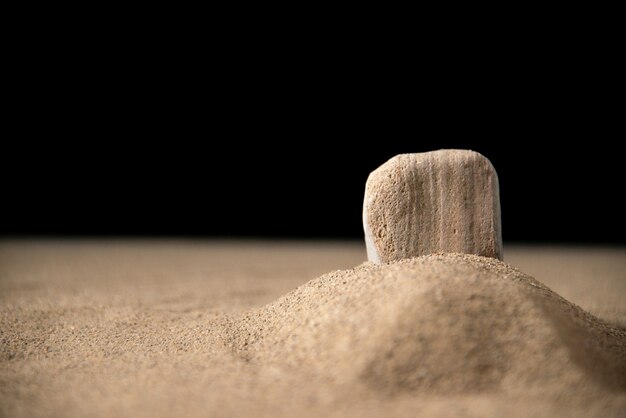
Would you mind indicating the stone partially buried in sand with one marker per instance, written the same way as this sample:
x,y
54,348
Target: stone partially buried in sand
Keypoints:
x,y
444,201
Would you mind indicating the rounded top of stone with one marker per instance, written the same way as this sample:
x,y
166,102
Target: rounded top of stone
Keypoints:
x,y
439,154
441,157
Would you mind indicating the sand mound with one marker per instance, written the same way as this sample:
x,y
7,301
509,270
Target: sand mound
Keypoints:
x,y
436,324
151,330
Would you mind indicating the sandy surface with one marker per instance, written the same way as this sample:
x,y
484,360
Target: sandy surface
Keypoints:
x,y
176,328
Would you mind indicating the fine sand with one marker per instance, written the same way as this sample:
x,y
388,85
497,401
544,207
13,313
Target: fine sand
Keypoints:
x,y
285,329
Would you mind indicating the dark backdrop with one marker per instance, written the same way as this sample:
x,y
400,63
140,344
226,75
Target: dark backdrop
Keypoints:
x,y
158,136
194,182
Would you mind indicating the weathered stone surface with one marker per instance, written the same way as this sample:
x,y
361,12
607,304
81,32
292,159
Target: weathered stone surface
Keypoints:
x,y
434,202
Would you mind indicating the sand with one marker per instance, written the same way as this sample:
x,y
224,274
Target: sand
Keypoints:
x,y
167,328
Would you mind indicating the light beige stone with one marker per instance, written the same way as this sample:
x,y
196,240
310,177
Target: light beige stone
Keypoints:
x,y
444,201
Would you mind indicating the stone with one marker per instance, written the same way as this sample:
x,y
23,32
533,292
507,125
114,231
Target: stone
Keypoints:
x,y
444,201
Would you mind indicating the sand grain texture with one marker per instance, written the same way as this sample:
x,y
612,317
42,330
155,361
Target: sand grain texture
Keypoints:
x,y
257,329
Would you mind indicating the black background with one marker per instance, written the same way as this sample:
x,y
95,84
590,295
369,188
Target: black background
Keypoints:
x,y
311,187
248,143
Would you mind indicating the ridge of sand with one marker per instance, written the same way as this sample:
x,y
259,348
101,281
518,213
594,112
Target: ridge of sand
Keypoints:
x,y
444,324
